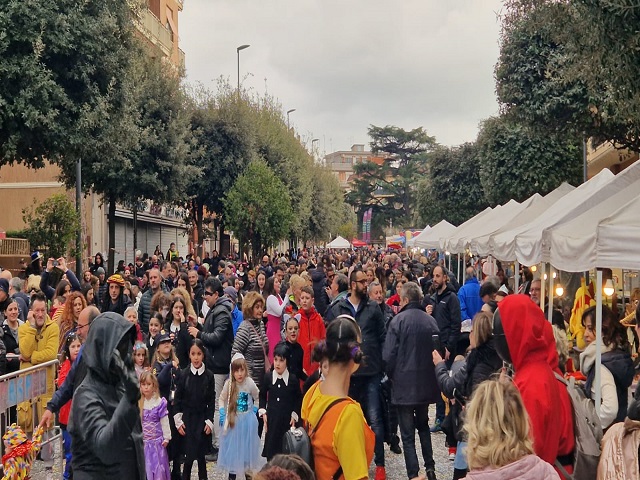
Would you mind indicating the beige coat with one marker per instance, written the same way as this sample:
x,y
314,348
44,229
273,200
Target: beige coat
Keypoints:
x,y
619,458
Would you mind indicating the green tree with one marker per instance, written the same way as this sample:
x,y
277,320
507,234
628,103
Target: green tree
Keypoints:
x,y
451,189
52,226
154,166
517,161
258,207
327,205
389,188
63,66
222,126
572,67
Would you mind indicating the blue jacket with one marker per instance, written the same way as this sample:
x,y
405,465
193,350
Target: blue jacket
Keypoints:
x,y
236,319
470,301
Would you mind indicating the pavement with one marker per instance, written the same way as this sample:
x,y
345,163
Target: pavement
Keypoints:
x,y
394,462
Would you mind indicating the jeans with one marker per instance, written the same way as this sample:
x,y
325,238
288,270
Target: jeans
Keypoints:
x,y
366,391
410,418
66,443
219,379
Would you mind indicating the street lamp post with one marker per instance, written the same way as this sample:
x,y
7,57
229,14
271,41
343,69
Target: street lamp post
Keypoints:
x,y
313,152
288,112
241,47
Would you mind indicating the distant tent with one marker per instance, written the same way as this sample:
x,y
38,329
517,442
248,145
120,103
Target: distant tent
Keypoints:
x,y
358,243
339,242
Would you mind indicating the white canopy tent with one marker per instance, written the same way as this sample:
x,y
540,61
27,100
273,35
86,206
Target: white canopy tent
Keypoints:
x,y
484,245
339,242
412,241
504,244
617,238
460,229
458,242
431,238
573,245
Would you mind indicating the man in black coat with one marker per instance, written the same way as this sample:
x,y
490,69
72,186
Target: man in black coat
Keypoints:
x,y
365,383
105,423
409,365
217,336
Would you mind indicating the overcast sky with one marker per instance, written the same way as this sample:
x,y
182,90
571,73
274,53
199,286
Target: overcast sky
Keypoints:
x,y
346,64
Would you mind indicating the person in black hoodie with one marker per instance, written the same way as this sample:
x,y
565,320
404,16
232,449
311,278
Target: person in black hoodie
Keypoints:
x,y
105,424
445,308
481,364
114,299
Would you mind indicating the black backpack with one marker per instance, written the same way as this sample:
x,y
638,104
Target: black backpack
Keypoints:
x,y
298,440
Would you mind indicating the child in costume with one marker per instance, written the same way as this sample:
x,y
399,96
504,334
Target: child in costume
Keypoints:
x,y
239,440
20,452
155,428
71,347
155,327
194,406
296,353
140,358
280,402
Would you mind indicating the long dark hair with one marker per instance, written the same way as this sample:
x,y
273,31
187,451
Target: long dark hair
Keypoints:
x,y
119,306
270,287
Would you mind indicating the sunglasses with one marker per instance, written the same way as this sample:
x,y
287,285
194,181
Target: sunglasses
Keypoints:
x,y
208,294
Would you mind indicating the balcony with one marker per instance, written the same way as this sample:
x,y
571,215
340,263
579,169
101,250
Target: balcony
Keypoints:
x,y
182,60
602,155
150,26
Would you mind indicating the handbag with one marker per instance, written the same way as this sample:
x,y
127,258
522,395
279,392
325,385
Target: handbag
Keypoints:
x,y
298,440
267,363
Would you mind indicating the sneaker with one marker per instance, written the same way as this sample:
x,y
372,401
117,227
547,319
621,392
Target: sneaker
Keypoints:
x,y
381,473
437,427
212,457
452,453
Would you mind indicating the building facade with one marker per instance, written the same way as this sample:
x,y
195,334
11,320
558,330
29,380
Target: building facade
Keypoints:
x,y
21,187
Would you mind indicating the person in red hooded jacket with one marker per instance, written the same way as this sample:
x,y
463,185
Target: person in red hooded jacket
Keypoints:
x,y
312,329
524,339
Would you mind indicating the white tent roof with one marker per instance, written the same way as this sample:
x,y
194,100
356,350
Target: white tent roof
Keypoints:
x,y
486,245
431,238
529,246
458,242
617,238
572,245
505,244
412,241
339,242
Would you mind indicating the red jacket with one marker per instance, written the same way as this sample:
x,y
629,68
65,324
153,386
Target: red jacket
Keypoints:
x,y
533,353
312,330
66,408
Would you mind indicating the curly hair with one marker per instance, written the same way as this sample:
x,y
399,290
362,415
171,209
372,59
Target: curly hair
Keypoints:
x,y
497,426
249,301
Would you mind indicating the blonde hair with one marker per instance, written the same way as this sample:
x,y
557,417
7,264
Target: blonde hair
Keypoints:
x,y
187,300
249,301
296,281
149,377
232,407
482,329
497,426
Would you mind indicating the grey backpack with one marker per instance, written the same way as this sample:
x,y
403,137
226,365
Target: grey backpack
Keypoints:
x,y
587,431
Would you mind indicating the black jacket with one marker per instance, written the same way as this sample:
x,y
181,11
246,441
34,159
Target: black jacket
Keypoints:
x,y
320,300
371,322
446,311
217,336
407,353
619,363
105,426
11,345
481,363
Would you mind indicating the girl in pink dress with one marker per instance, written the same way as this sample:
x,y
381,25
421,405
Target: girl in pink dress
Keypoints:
x,y
275,306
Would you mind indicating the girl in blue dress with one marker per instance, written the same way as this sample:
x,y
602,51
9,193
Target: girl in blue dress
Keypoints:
x,y
239,441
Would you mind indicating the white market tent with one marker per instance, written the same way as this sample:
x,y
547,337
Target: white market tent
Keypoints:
x,y
463,227
501,214
529,246
431,238
573,245
504,244
485,245
339,242
412,241
617,238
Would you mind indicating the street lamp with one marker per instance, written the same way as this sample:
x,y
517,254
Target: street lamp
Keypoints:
x,y
288,112
241,47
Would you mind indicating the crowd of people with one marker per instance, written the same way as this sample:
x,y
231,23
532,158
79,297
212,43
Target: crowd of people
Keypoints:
x,y
194,360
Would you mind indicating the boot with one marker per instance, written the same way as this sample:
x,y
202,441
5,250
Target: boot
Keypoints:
x,y
459,473
394,444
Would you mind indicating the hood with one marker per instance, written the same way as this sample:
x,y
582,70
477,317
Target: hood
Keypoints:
x,y
529,335
224,302
448,290
106,332
528,467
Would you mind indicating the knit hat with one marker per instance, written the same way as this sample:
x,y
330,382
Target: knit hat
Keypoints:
x,y
232,293
117,279
14,436
4,285
100,271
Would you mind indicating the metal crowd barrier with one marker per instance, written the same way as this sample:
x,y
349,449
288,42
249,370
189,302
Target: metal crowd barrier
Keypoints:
x,y
26,387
